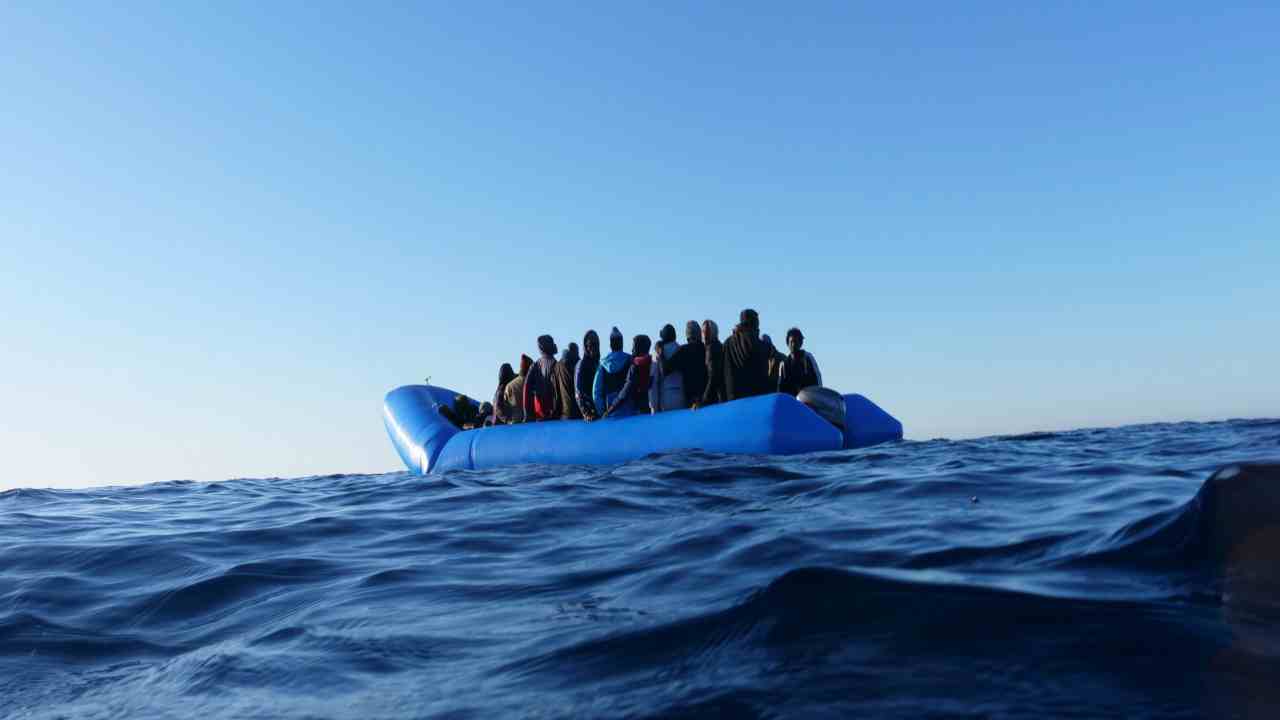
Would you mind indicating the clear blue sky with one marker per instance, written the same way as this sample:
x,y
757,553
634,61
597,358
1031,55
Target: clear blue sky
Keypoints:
x,y
228,229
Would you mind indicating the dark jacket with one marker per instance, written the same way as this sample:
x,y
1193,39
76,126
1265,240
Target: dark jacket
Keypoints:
x,y
746,365
796,374
583,386
690,360
539,391
562,378
714,363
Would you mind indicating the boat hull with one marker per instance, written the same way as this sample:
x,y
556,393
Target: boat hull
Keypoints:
x,y
774,424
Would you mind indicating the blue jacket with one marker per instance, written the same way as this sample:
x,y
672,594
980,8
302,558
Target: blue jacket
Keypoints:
x,y
616,362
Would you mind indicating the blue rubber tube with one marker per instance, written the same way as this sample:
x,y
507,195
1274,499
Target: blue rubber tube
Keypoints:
x,y
770,424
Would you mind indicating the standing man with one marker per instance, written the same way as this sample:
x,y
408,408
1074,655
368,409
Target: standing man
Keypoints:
x,y
563,378
539,388
690,360
611,376
714,393
584,376
746,359
633,396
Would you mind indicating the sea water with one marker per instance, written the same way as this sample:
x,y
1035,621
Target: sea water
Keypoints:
x,y
1076,574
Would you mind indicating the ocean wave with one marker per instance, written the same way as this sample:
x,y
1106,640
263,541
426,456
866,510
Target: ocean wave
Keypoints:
x,y
1081,573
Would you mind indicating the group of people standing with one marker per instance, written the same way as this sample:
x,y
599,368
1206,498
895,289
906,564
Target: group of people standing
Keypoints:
x,y
703,371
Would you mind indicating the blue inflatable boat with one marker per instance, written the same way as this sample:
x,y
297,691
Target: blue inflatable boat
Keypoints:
x,y
775,424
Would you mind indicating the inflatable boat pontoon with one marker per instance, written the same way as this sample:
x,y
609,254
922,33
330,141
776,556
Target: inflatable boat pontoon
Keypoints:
x,y
775,424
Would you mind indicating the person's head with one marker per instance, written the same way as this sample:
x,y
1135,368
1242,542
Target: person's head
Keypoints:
x,y
691,332
591,344
570,354
710,331
615,340
749,319
667,334
546,345
505,374
795,340
573,349
640,345
526,362
768,342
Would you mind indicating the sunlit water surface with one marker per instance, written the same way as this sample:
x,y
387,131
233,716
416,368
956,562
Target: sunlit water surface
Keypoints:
x,y
1085,573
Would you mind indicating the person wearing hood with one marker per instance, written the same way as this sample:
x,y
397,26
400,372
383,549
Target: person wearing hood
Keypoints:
x,y
584,376
611,375
633,396
563,379
666,391
714,392
746,360
539,388
690,361
513,393
501,409
799,370
776,359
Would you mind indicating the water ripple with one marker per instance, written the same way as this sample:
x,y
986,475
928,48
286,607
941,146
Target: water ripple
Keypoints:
x,y
1082,573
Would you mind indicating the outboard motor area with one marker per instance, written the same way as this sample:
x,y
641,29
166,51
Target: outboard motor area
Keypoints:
x,y
828,403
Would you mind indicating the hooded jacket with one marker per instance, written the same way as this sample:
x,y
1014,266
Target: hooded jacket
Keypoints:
x,y
746,364
501,410
666,391
584,385
562,378
610,377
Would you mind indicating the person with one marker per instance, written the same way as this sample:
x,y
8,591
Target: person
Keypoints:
x,y
502,410
690,361
486,414
611,375
799,370
666,391
775,360
633,396
513,394
746,360
714,362
585,376
463,414
539,388
563,379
